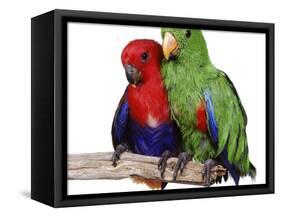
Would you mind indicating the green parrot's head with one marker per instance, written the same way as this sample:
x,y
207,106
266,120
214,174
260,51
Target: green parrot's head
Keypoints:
x,y
185,45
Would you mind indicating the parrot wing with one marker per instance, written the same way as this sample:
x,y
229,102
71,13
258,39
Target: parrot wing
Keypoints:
x,y
226,120
119,129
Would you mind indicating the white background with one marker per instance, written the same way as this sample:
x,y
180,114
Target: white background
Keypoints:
x,y
15,106
96,81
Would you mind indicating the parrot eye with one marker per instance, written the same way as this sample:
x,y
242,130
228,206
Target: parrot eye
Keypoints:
x,y
187,33
144,56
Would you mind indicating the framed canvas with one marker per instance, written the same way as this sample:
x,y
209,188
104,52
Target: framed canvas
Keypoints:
x,y
134,108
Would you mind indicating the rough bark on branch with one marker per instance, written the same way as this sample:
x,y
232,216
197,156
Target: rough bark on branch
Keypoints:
x,y
99,166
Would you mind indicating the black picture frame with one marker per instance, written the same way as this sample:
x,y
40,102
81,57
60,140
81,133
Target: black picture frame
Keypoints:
x,y
49,107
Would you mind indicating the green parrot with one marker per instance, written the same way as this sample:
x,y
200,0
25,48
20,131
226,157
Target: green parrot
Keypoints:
x,y
205,105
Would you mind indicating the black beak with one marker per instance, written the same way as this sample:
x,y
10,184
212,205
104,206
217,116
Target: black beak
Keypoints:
x,y
132,74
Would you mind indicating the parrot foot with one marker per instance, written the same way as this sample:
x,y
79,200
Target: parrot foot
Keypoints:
x,y
163,162
219,178
117,153
183,159
208,165
225,177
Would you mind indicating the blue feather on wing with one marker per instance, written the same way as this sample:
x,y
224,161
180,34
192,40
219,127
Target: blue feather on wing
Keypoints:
x,y
120,122
212,124
213,131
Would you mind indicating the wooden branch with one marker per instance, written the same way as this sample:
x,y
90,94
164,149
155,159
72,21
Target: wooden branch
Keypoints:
x,y
99,166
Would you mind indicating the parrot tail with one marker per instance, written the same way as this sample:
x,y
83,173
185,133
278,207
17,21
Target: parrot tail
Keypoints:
x,y
253,171
156,185
234,174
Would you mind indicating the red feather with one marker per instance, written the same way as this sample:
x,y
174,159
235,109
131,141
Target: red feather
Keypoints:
x,y
201,117
148,100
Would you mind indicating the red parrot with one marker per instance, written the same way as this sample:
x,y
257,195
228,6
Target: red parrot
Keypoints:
x,y
142,122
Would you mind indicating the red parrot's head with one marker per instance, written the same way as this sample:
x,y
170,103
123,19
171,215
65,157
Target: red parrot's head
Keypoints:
x,y
141,59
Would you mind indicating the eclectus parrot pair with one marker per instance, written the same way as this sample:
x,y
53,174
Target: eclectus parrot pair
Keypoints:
x,y
142,121
200,115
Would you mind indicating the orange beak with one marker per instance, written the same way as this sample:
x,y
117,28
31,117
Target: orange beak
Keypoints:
x,y
169,45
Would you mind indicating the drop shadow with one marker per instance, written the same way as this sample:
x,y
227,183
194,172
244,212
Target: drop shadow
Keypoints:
x,y
25,194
